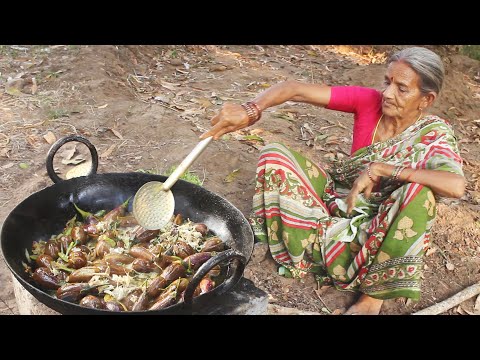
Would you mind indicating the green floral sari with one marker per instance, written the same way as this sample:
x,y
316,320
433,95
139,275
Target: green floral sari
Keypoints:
x,y
299,210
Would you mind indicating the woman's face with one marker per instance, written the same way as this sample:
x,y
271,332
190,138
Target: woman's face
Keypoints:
x,y
401,92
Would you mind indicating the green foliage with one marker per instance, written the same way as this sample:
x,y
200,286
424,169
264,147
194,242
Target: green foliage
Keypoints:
x,y
472,51
187,176
57,113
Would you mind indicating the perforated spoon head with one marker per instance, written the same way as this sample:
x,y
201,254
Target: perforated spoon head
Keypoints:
x,y
153,207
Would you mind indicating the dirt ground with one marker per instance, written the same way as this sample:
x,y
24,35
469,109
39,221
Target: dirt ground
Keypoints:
x,y
144,107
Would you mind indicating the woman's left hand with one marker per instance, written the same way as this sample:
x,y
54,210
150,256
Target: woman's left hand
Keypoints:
x,y
362,184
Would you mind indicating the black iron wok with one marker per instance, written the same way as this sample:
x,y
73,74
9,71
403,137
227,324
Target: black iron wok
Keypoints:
x,y
46,212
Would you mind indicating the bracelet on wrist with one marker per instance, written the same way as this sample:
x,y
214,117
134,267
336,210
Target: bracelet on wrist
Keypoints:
x,y
397,171
253,111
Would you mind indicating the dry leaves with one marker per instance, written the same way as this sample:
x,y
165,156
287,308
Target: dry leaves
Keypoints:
x,y
33,140
68,152
6,140
169,86
230,177
5,152
108,152
449,266
79,170
8,166
50,137
203,102
116,133
476,307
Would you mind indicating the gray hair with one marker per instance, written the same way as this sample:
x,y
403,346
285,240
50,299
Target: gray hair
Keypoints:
x,y
426,64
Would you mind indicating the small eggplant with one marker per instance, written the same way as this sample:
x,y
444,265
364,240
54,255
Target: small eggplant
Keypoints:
x,y
178,286
83,274
173,272
164,302
178,220
141,303
156,286
201,228
52,249
78,234
117,269
206,285
171,294
144,266
130,300
215,271
44,261
92,302
116,213
144,235
163,261
77,258
84,248
196,260
91,230
45,278
64,242
142,253
127,221
91,220
118,258
62,276
102,248
113,306
101,265
108,239
182,249
74,292
213,244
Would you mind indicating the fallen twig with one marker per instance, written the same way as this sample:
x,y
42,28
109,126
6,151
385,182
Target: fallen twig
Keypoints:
x,y
456,299
323,302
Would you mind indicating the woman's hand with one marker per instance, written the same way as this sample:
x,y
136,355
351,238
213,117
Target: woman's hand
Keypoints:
x,y
363,184
231,117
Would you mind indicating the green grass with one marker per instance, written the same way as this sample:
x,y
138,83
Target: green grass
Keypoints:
x,y
6,50
472,51
189,176
57,113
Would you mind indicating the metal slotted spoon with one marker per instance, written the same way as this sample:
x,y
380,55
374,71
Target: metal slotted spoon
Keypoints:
x,y
153,204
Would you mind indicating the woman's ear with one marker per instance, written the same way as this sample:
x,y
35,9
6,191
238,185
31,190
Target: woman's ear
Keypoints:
x,y
428,99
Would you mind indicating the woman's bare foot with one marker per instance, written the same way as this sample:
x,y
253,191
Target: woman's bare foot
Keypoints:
x,y
365,305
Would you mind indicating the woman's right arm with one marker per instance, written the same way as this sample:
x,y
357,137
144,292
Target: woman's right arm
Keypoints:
x,y
233,117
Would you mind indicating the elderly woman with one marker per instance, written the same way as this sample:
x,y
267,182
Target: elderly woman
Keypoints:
x,y
365,224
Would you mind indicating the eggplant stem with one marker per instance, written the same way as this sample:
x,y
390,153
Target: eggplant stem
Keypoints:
x,y
70,247
63,256
125,203
100,213
84,213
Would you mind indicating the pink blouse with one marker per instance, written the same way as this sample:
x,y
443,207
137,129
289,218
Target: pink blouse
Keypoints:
x,y
366,104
